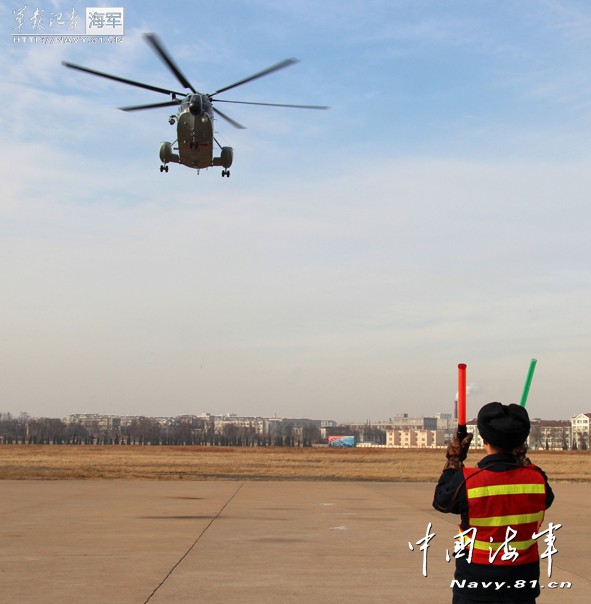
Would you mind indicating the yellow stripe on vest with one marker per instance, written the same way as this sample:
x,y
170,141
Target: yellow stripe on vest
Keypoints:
x,y
508,520
506,489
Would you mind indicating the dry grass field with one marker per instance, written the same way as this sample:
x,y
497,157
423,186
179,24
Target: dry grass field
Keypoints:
x,y
47,462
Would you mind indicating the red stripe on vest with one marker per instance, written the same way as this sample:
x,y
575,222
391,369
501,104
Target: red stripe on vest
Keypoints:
x,y
502,505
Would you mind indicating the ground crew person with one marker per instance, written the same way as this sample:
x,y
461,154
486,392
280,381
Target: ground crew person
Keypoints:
x,y
501,504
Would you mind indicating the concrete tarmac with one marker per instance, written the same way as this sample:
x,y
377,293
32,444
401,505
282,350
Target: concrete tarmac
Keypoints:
x,y
134,542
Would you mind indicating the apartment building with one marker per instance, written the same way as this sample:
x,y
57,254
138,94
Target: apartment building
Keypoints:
x,y
415,438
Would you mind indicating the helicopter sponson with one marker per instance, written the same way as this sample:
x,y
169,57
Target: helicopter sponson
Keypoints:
x,y
168,155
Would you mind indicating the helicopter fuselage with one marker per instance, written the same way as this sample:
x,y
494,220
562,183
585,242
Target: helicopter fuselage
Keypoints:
x,y
195,132
194,124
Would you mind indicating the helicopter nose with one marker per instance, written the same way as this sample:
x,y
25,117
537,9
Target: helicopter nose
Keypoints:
x,y
195,107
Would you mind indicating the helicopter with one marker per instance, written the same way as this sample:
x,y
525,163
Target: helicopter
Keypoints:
x,y
195,115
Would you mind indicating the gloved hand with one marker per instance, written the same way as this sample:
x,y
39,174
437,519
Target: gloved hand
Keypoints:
x,y
457,451
520,455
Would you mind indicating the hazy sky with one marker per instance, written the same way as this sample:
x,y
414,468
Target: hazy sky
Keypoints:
x,y
438,213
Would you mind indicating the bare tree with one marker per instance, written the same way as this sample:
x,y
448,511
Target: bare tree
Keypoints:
x,y
535,437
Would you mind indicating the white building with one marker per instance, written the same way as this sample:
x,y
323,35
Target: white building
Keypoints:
x,y
580,425
476,439
551,434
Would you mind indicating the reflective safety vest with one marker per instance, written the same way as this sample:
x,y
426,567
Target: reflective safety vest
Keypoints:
x,y
505,509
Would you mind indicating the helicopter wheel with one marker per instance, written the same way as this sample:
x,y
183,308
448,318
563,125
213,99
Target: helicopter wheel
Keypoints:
x,y
163,168
226,173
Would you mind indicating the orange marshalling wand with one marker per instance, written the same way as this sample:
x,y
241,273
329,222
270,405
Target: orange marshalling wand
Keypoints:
x,y
462,400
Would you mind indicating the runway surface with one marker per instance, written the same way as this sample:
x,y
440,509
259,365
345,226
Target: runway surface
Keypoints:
x,y
167,542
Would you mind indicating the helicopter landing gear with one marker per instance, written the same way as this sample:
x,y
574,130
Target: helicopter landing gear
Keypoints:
x,y
226,173
172,120
163,168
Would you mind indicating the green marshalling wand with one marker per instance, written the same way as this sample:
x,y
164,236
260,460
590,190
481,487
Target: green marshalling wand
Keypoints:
x,y
530,375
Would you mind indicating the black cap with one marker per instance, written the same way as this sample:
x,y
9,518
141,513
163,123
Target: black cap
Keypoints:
x,y
503,426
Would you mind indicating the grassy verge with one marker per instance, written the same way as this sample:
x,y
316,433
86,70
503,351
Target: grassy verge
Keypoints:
x,y
47,462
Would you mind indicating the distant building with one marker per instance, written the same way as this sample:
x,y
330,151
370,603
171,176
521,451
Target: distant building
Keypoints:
x,y
326,426
95,421
221,422
550,434
580,425
476,439
402,421
328,423
415,438
445,421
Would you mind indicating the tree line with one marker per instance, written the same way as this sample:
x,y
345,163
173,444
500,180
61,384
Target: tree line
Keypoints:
x,y
149,431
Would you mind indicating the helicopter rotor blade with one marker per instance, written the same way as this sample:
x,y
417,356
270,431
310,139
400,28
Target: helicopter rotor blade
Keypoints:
x,y
150,106
260,74
229,119
165,56
123,80
274,104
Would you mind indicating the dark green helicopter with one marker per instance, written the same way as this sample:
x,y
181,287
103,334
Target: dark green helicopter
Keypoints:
x,y
195,116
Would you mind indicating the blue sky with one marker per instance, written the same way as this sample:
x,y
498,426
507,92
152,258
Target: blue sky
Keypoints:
x,y
437,214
